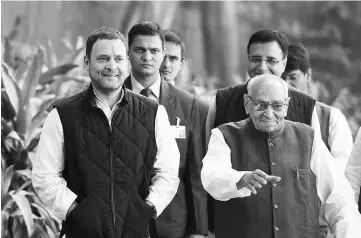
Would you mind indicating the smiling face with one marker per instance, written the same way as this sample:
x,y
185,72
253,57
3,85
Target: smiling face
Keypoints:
x,y
107,65
172,62
272,52
267,91
146,55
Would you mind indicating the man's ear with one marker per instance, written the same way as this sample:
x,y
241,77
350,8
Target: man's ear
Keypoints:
x,y
86,62
287,104
245,102
309,74
164,51
284,62
182,61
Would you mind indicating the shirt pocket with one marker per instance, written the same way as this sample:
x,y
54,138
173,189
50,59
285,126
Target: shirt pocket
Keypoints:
x,y
301,178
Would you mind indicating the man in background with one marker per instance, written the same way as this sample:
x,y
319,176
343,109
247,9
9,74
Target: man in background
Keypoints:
x,y
174,56
186,215
335,131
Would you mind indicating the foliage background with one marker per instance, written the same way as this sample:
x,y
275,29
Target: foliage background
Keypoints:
x,y
46,37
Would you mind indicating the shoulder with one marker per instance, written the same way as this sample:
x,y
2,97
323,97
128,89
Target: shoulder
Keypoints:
x,y
181,93
299,127
295,92
71,101
324,106
239,88
239,125
140,98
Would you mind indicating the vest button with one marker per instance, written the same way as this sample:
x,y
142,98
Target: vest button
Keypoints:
x,y
273,163
276,206
276,228
271,144
274,184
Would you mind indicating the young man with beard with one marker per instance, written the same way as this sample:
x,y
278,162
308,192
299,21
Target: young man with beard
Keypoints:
x,y
186,215
106,163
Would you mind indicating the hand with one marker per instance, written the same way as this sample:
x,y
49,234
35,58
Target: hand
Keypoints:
x,y
195,236
256,179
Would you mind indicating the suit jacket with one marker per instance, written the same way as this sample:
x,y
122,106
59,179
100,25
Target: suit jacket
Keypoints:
x,y
187,213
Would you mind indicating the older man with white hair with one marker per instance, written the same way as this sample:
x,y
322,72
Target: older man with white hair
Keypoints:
x,y
272,177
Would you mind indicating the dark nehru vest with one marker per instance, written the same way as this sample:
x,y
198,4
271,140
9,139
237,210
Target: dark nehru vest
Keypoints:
x,y
289,208
109,168
324,114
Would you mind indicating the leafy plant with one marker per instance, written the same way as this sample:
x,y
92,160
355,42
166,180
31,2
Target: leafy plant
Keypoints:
x,y
29,88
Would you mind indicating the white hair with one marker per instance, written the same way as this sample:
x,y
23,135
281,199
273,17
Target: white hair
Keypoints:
x,y
266,78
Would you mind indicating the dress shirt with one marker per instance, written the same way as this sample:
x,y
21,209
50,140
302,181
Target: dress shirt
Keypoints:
x,y
353,168
340,137
336,196
211,116
155,87
48,163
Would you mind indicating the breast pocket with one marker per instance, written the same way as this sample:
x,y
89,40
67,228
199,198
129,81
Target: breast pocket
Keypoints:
x,y
301,178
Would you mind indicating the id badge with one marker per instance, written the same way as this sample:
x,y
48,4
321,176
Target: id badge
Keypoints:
x,y
179,131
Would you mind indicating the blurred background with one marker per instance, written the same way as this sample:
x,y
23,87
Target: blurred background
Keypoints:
x,y
42,62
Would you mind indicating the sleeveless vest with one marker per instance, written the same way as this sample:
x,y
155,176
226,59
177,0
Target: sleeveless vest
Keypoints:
x,y
289,208
324,113
109,168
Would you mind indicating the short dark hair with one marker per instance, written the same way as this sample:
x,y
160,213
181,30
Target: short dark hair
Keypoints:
x,y
146,28
103,33
173,37
269,35
298,58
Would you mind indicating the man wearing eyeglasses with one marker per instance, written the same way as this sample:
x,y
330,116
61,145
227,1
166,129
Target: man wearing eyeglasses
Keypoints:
x,y
272,177
267,54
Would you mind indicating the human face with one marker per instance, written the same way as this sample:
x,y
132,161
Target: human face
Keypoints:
x,y
297,79
270,51
267,120
146,55
107,65
172,61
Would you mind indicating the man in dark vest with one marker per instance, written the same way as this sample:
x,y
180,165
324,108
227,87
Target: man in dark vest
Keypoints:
x,y
335,131
272,177
106,161
186,215
267,53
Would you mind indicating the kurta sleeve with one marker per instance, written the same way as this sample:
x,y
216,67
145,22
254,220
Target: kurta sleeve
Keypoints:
x,y
218,177
337,202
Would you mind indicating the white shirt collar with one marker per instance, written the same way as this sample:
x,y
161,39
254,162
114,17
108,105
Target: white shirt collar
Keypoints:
x,y
155,87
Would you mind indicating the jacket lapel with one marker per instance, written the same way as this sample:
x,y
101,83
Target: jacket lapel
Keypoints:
x,y
166,97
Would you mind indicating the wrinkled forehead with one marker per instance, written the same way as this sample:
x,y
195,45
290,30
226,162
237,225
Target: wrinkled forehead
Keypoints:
x,y
269,91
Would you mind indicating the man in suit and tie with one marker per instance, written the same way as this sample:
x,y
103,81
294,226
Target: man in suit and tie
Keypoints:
x,y
186,215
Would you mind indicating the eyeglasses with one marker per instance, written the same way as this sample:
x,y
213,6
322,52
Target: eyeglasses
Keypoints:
x,y
276,106
269,61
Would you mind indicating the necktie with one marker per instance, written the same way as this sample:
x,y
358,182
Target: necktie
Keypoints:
x,y
146,92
